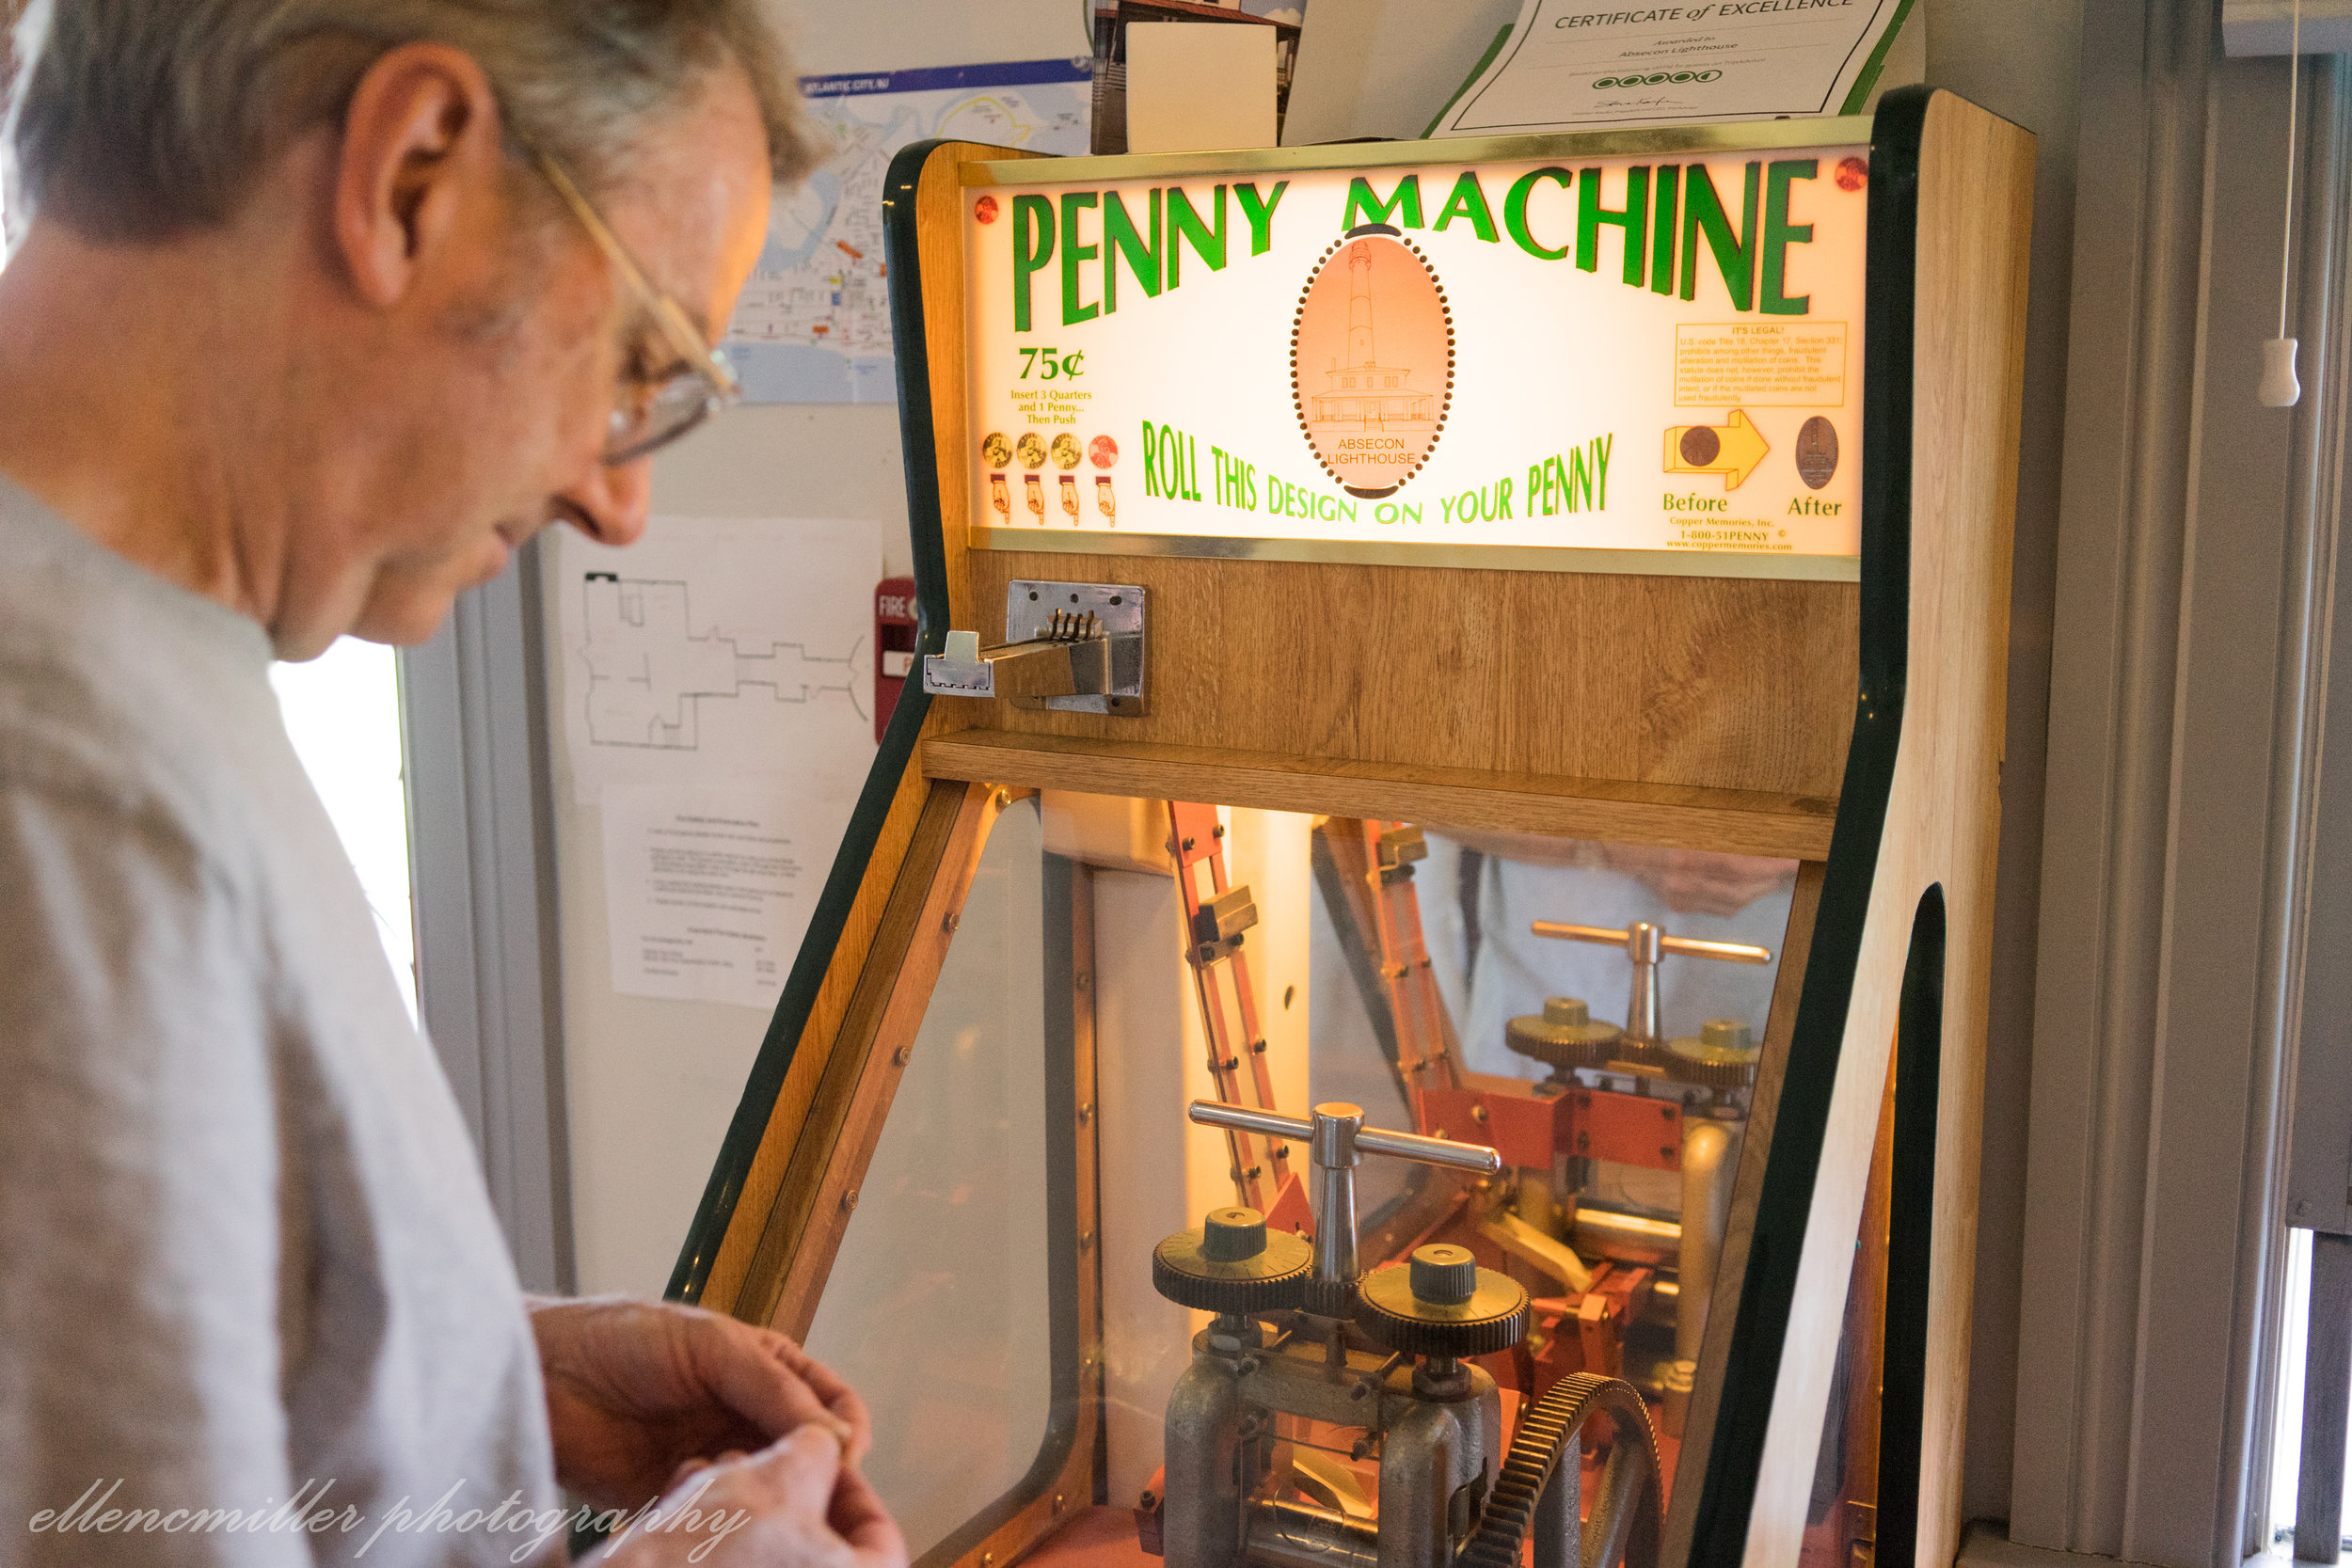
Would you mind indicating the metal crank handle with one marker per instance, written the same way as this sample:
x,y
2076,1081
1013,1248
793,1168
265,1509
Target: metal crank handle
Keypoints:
x,y
1370,1140
1735,952
1337,1141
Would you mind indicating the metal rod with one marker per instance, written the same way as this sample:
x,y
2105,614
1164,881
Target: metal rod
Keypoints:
x,y
1431,1151
1735,952
1240,1117
1300,1535
1370,1140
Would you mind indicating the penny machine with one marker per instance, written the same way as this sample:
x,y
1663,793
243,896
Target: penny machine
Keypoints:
x,y
1408,988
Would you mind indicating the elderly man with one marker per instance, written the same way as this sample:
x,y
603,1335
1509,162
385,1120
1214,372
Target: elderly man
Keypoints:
x,y
319,309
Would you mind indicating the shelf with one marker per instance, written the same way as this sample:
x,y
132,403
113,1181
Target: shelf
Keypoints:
x,y
1743,822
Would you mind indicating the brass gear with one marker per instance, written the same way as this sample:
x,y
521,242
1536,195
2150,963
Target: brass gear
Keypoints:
x,y
1232,1263
1721,1055
1442,1303
1545,1440
1565,1036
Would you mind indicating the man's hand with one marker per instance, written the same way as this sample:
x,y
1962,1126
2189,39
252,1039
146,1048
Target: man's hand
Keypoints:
x,y
636,1389
794,1505
1698,881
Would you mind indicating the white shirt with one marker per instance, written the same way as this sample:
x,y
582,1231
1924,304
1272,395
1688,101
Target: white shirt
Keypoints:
x,y
247,1260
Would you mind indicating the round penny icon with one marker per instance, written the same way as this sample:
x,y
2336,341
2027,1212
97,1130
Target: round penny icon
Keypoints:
x,y
1700,445
1816,451
1103,452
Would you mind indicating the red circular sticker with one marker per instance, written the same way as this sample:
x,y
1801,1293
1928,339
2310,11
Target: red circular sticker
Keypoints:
x,y
985,208
1103,452
1853,174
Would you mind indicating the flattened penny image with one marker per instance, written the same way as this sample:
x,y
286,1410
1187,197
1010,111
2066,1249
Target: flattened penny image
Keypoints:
x,y
1700,445
1816,451
1031,449
1372,361
994,450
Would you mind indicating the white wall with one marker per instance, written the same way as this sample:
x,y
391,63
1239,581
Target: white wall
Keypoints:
x,y
651,1084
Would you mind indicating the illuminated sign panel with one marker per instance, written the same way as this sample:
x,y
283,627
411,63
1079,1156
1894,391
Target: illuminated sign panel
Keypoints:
x,y
1656,355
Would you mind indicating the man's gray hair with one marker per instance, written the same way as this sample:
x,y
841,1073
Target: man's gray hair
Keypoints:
x,y
142,118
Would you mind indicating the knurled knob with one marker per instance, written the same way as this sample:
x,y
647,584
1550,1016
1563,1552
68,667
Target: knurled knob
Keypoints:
x,y
1444,1274
1563,1036
1721,1055
1232,1263
1442,1303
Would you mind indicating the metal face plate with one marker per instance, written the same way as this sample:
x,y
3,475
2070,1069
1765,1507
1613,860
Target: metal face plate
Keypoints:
x,y
1118,608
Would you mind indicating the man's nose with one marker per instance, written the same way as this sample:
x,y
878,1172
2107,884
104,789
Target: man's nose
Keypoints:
x,y
612,501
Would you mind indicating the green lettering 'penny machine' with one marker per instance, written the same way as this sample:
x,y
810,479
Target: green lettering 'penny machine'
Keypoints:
x,y
1408,986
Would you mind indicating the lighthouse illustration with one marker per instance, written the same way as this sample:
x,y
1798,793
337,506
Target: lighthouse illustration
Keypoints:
x,y
1363,393
1372,323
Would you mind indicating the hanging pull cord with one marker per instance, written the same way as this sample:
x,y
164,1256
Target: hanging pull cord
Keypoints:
x,y
2280,389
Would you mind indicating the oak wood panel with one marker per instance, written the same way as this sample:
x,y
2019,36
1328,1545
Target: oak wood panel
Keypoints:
x,y
1742,822
1722,682
1942,815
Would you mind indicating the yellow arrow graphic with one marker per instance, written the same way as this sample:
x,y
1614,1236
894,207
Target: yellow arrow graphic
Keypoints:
x,y
1732,449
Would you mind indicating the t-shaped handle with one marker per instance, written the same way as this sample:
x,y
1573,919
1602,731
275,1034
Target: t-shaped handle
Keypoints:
x,y
1645,945
1337,1140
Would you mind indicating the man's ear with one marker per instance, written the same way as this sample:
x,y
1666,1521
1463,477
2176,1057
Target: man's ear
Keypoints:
x,y
421,143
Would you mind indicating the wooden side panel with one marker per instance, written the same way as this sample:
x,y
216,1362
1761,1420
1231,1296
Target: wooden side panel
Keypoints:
x,y
1729,684
1943,817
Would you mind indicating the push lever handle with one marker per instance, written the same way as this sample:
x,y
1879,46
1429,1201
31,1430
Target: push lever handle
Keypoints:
x,y
1337,1140
1645,945
1075,647
1073,656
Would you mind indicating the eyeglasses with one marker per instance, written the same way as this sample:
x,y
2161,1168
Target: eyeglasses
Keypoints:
x,y
651,412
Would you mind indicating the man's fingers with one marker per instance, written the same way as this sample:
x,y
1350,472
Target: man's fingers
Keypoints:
x,y
801,1470
850,1411
828,1387
859,1519
735,1365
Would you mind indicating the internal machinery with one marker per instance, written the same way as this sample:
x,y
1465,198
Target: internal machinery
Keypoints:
x,y
1493,1361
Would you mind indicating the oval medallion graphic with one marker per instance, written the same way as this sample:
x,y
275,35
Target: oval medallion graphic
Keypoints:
x,y
1816,451
1372,361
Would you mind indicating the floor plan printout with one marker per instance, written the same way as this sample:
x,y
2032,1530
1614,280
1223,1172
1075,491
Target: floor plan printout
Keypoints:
x,y
813,325
716,686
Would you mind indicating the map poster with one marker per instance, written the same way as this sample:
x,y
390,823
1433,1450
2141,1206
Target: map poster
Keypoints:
x,y
813,325
1619,360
